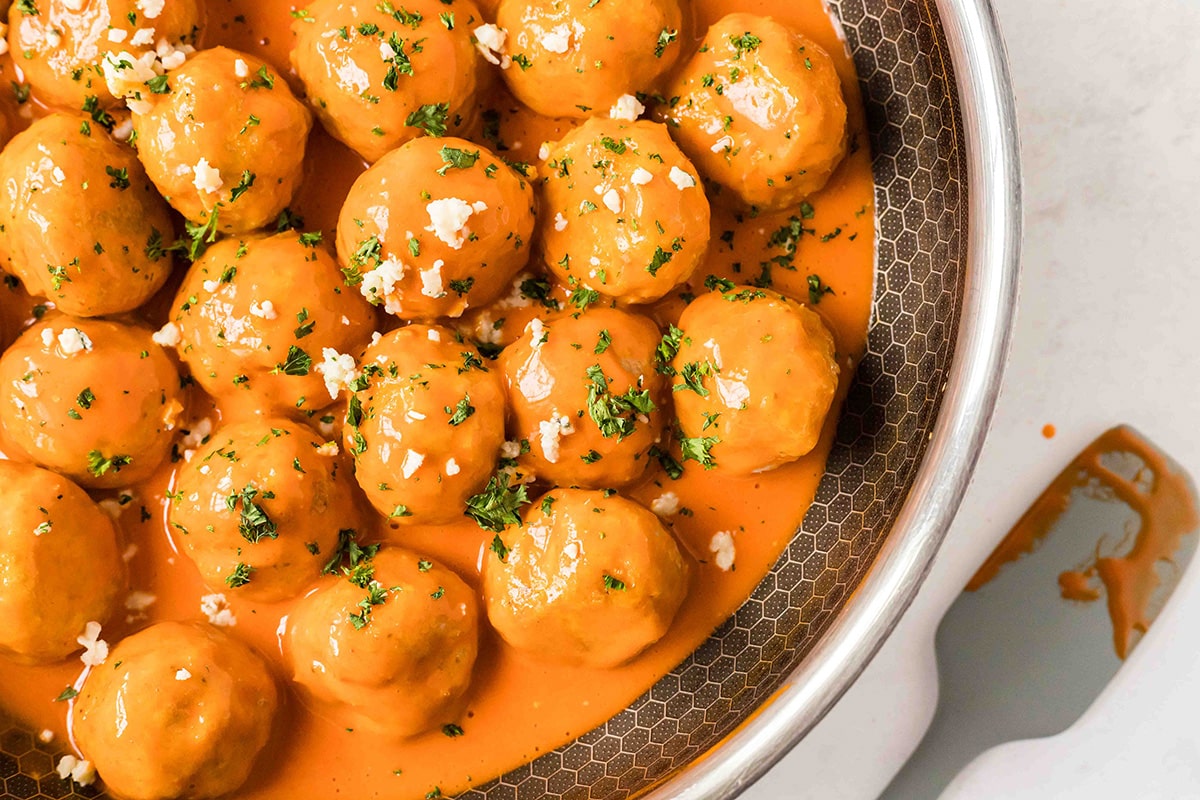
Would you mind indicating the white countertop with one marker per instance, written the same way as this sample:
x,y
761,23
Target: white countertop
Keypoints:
x,y
1107,331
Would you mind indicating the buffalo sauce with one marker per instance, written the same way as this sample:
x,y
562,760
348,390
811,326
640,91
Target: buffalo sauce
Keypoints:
x,y
1159,494
519,707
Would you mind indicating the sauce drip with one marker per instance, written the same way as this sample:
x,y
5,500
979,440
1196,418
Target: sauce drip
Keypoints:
x,y
1161,496
519,708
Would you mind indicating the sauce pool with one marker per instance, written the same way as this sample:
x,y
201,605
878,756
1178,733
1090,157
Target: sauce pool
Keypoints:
x,y
519,707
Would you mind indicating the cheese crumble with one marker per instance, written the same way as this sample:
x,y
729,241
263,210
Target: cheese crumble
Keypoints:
x,y
95,649
166,336
208,177
79,770
681,179
73,340
665,505
216,608
627,108
489,41
448,219
723,549
338,370
549,433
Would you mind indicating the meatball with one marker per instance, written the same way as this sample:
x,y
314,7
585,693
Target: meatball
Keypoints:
x,y
425,426
92,399
79,221
624,213
388,648
761,112
755,376
435,227
227,140
575,58
253,315
587,579
178,711
379,77
584,392
63,43
60,565
260,508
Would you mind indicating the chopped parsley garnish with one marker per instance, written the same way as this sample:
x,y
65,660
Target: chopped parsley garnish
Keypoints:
x,y
120,177
603,342
99,464
665,37
69,693
261,80
158,85
817,289
455,158
498,505
615,415
239,577
461,287
452,730
297,362
699,449
693,374
745,43
499,548
667,348
349,553
461,411
253,522
85,398
612,584
430,118
243,185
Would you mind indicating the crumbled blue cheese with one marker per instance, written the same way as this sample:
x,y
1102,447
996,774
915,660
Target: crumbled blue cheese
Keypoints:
x,y
627,108
182,674
73,340
151,9
216,609
549,433
452,467
723,550
432,284
490,41
448,219
95,649
612,200
681,179
665,505
208,177
263,310
78,770
379,284
557,39
641,176
338,370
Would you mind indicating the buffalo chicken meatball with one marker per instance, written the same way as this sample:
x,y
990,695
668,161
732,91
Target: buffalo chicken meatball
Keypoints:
x,y
79,221
575,58
227,139
63,43
177,711
60,566
623,213
92,399
435,227
756,374
425,425
259,509
761,112
388,648
253,316
584,392
378,75
587,579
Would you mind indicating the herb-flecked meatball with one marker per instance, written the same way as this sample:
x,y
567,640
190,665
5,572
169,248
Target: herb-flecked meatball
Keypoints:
x,y
92,399
435,227
62,44
760,111
228,140
576,58
176,711
379,74
388,647
623,212
425,424
587,579
259,509
584,392
755,377
254,315
79,222
60,565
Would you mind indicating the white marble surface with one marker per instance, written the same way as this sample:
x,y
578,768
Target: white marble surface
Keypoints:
x,y
1107,332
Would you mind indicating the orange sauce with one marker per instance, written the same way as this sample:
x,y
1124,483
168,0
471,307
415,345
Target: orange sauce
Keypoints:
x,y
1048,431
519,707
1160,495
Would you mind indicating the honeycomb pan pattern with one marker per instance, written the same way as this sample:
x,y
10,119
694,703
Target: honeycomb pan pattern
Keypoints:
x,y
921,197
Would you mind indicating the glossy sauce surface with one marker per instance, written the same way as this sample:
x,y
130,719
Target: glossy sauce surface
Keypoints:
x,y
519,707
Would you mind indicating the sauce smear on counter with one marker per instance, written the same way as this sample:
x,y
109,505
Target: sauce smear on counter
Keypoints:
x,y
1122,467
520,708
